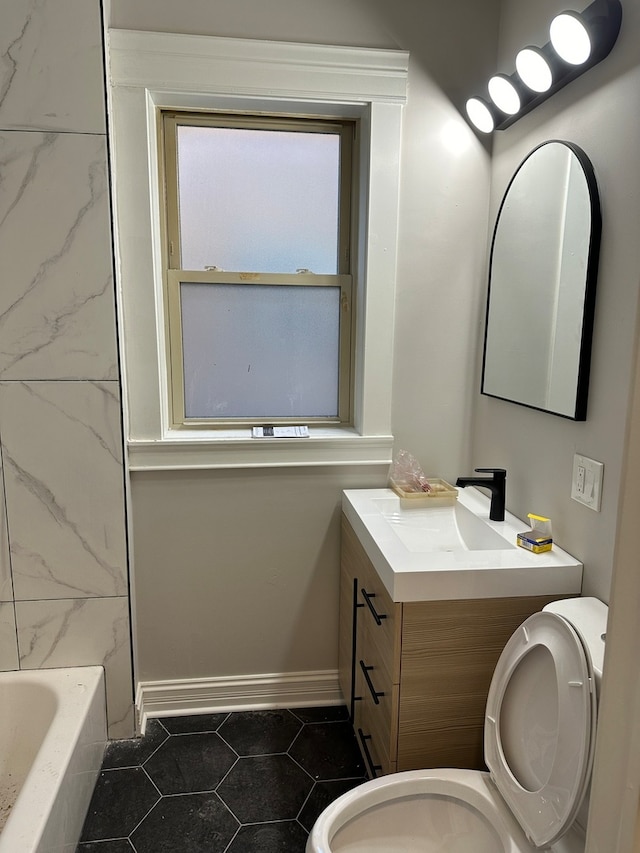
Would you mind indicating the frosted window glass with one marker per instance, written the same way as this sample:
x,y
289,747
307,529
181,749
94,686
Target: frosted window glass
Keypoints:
x,y
260,351
258,200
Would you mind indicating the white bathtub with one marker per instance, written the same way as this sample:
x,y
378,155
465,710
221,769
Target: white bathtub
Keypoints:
x,y
52,740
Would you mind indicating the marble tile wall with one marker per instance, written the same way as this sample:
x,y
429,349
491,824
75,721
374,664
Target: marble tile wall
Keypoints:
x,y
63,553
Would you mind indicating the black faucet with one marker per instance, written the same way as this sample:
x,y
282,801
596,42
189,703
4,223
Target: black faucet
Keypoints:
x,y
497,485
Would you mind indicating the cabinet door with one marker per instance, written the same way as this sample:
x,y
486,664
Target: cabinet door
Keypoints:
x,y
377,703
369,663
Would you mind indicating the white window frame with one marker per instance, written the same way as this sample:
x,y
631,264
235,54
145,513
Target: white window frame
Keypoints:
x,y
152,71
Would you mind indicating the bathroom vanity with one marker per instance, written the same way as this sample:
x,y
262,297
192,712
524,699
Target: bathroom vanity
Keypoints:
x,y
428,599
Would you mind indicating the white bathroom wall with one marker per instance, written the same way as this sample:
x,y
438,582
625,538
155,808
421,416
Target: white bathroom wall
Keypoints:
x,y
63,552
594,111
236,571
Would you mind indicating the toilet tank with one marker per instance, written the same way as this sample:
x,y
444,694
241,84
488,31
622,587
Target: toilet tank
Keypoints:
x,y
589,618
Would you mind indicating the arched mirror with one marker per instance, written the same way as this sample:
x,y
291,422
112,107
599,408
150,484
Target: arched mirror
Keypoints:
x,y
542,281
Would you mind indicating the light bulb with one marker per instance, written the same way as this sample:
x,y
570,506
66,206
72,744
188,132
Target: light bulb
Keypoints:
x,y
570,38
480,115
504,94
533,69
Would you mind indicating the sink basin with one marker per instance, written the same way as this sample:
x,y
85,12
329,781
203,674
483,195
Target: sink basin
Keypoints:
x,y
443,528
428,553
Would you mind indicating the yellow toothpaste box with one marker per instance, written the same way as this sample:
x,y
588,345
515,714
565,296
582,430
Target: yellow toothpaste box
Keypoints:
x,y
538,539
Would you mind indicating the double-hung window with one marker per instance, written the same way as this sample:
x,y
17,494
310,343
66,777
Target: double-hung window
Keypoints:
x,y
258,279
220,330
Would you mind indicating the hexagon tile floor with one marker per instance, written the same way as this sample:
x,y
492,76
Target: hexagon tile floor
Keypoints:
x,y
241,782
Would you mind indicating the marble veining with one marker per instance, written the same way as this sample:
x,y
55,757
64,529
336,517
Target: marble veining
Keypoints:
x,y
10,62
63,553
51,69
81,632
57,318
65,508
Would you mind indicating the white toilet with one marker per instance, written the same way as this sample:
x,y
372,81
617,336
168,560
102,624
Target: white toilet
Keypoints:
x,y
539,740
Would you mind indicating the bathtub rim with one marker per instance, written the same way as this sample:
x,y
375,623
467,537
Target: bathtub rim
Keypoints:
x,y
36,801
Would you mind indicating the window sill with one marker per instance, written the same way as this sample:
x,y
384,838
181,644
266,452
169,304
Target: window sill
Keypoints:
x,y
237,449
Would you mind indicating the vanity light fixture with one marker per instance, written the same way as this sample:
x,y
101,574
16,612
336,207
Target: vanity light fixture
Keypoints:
x,y
578,41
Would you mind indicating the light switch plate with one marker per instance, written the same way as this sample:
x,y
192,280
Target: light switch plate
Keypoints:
x,y
586,483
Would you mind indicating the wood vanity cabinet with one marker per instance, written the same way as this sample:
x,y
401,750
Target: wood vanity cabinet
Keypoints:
x,y
416,675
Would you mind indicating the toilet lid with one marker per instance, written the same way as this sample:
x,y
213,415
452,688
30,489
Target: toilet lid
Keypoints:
x,y
540,725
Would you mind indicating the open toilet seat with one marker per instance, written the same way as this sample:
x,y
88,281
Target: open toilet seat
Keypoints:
x,y
539,738
539,730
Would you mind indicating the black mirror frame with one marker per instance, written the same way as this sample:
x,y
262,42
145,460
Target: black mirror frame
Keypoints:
x,y
588,316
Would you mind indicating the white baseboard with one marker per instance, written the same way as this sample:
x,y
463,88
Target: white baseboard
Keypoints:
x,y
236,693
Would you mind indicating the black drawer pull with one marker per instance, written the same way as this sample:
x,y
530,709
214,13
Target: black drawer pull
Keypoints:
x,y
373,768
367,597
365,671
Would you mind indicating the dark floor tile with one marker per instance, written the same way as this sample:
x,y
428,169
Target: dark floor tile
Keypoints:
x,y
272,794
321,796
260,732
328,751
283,837
327,714
188,823
120,845
194,723
190,763
120,800
134,752
265,787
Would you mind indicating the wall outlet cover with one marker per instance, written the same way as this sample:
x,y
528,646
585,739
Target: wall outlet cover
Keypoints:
x,y
586,483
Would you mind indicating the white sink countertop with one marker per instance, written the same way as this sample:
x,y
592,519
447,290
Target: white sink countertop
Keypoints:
x,y
425,553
